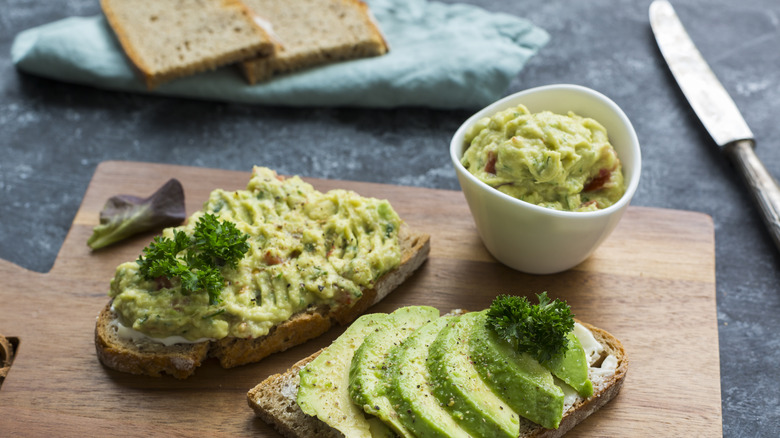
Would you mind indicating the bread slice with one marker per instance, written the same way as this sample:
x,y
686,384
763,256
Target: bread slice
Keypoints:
x,y
181,360
314,32
8,347
174,38
274,399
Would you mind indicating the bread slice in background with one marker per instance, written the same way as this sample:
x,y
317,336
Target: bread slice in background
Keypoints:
x,y
274,399
314,32
167,39
150,358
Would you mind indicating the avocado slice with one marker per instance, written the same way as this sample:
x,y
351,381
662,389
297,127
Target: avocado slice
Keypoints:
x,y
410,387
517,378
572,367
367,383
458,387
324,386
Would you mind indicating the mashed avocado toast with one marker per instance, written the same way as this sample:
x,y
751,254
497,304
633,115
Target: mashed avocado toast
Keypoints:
x,y
254,272
515,370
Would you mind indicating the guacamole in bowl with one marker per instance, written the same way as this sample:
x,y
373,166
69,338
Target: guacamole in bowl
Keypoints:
x,y
559,161
547,174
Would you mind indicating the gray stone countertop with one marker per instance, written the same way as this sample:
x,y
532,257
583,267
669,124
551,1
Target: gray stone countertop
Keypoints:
x,y
53,135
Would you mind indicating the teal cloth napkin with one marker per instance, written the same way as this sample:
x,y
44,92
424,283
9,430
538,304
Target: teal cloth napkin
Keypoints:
x,y
441,56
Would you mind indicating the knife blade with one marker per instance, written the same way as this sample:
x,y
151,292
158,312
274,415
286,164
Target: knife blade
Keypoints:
x,y
716,110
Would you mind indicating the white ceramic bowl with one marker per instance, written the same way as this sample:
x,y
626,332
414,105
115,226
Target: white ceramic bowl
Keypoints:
x,y
540,240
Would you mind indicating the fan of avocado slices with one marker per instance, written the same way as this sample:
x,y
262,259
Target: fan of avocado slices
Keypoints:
x,y
415,373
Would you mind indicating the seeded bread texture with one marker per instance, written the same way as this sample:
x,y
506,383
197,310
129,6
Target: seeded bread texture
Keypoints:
x,y
181,360
274,399
314,32
173,38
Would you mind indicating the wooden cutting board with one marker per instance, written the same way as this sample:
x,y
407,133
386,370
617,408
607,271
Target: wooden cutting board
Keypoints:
x,y
651,284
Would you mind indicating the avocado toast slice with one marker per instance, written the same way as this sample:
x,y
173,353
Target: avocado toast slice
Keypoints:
x,y
324,390
311,260
368,387
273,400
458,387
411,390
516,378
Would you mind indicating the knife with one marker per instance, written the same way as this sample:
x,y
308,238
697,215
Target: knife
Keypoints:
x,y
716,110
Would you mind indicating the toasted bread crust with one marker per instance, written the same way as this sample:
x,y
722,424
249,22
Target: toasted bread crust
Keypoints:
x,y
145,358
181,360
274,399
272,402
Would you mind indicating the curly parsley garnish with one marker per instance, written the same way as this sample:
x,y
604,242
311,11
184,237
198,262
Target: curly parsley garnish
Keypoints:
x,y
539,330
196,260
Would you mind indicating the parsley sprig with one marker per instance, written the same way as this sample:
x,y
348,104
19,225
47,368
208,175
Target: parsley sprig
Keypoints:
x,y
196,260
539,330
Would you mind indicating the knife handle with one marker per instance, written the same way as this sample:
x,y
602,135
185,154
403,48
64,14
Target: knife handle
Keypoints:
x,y
764,188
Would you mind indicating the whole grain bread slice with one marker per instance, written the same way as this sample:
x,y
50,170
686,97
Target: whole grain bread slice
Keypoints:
x,y
174,38
274,399
314,32
151,358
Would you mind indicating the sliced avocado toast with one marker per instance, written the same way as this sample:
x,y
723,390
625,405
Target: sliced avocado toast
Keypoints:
x,y
367,383
515,369
516,378
410,386
324,382
572,367
458,387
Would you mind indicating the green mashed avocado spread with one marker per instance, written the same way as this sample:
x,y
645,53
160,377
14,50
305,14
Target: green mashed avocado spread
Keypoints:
x,y
306,248
563,162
